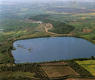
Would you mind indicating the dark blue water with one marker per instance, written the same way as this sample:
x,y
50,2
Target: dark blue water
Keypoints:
x,y
50,49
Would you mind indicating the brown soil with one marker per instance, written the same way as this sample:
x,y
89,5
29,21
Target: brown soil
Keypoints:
x,y
58,69
87,30
55,63
48,26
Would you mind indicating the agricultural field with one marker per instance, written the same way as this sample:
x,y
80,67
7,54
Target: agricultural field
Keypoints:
x,y
19,72
89,65
16,76
58,69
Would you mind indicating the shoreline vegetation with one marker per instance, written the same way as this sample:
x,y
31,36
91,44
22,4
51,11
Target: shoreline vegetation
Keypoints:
x,y
42,36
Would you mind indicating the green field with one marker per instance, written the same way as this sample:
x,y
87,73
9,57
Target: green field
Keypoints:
x,y
16,76
89,65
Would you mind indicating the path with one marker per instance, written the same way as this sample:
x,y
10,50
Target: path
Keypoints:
x,y
49,26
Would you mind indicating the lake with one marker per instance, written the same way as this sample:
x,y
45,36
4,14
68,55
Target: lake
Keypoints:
x,y
51,49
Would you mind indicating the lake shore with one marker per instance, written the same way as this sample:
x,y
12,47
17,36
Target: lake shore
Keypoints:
x,y
42,36
9,42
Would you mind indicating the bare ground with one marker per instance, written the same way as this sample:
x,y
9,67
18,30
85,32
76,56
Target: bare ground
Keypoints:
x,y
58,69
